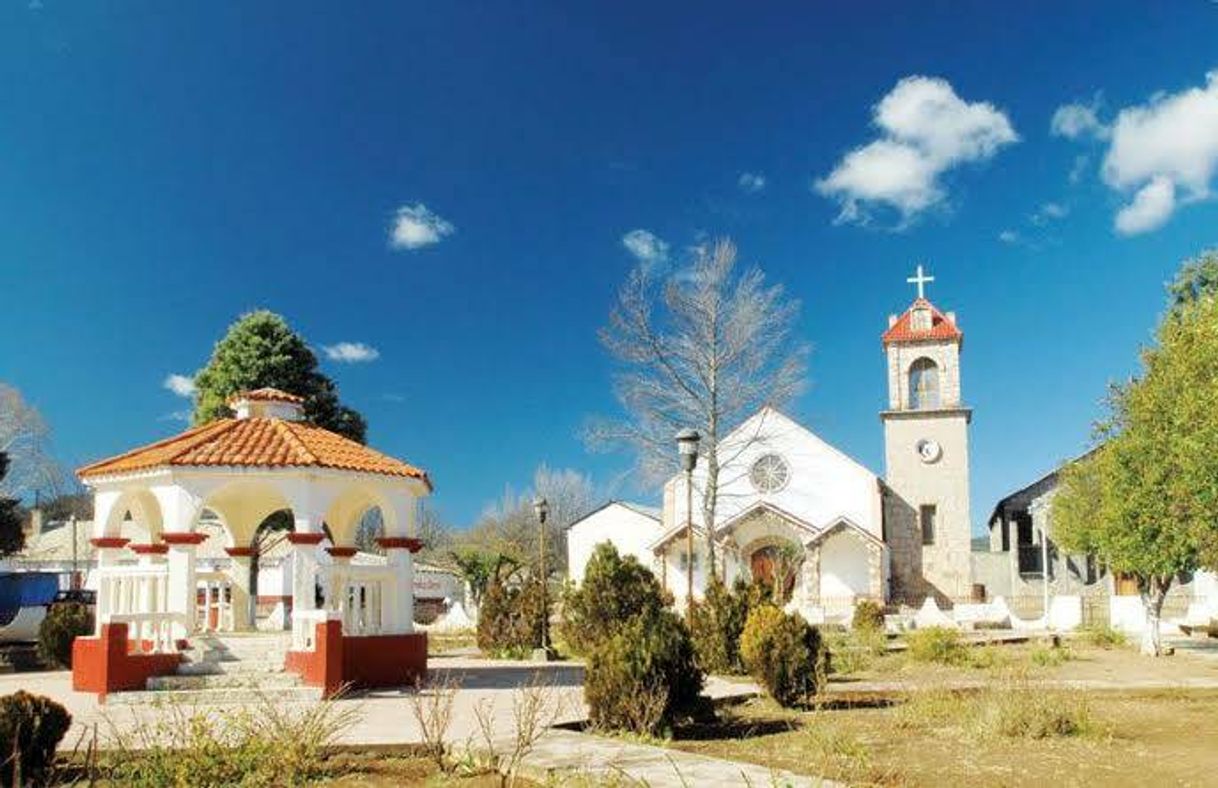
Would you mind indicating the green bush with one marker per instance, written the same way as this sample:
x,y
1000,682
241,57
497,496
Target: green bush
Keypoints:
x,y
63,624
784,654
937,644
509,620
614,590
644,678
31,727
1102,636
718,622
868,615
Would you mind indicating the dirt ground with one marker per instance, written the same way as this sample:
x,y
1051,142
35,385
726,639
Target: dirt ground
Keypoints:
x,y
1118,666
863,736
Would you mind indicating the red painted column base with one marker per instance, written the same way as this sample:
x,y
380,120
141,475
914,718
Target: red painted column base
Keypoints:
x,y
104,664
368,662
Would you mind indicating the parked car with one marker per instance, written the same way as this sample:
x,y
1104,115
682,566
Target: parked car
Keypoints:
x,y
76,596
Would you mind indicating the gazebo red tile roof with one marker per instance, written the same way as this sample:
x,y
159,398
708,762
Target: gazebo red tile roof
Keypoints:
x,y
941,326
256,442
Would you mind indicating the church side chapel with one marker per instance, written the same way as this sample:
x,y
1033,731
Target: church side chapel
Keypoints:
x,y
796,512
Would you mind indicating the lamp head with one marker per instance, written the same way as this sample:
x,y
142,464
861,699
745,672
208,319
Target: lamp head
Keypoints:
x,y
541,507
687,447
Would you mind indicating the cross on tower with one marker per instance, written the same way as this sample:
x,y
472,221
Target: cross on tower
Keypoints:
x,y
920,279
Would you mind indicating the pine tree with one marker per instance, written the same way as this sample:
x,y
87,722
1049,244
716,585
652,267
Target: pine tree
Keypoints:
x,y
12,538
260,350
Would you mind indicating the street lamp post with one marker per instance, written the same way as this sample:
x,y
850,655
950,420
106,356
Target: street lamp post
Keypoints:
x,y
542,509
687,448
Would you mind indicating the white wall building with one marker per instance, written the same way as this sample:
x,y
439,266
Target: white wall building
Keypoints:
x,y
793,509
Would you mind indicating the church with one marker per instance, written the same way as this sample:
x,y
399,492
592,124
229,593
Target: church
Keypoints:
x,y
796,511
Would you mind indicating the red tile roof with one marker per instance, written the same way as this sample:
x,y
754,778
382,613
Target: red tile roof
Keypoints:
x,y
266,394
256,442
940,326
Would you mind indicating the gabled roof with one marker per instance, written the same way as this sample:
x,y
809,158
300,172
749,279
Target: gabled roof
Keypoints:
x,y
650,512
255,443
757,422
1024,496
941,327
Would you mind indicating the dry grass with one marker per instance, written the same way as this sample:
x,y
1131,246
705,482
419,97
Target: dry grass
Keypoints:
x,y
266,744
1011,732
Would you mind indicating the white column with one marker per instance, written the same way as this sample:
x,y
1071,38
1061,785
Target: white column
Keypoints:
x,y
182,593
239,577
304,569
399,599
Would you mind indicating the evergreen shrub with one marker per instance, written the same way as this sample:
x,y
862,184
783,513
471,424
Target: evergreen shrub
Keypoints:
x,y
62,625
644,678
509,620
614,590
868,615
31,727
784,654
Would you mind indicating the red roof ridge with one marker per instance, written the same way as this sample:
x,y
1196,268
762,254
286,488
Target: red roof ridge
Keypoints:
x,y
266,394
288,430
942,327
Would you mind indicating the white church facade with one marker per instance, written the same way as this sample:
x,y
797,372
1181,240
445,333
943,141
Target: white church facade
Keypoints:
x,y
793,509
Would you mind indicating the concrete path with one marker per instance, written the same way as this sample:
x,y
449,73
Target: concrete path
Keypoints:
x,y
565,756
482,686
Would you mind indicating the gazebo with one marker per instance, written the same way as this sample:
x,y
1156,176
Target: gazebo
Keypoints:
x,y
237,471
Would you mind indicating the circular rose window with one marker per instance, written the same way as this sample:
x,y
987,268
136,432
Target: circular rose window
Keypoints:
x,y
770,473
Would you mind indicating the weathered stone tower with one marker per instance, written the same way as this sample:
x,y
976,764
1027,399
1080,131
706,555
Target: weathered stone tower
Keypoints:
x,y
926,500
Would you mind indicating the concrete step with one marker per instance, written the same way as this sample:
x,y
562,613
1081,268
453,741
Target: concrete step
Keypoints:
x,y
215,696
249,680
243,666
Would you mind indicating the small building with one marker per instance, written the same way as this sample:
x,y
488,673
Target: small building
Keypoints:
x,y
1020,557
631,527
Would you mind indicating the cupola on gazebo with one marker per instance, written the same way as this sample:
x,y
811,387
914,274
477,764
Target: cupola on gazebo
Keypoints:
x,y
237,471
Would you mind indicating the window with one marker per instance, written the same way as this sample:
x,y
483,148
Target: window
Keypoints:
x,y
683,561
769,474
926,517
923,384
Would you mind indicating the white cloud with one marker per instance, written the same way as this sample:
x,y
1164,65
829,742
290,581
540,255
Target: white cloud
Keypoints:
x,y
1166,150
1079,167
926,130
182,385
751,182
1049,212
646,246
351,352
1078,121
415,226
1150,209
177,415
1008,237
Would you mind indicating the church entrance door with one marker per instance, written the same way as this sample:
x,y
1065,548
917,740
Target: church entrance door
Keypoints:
x,y
771,566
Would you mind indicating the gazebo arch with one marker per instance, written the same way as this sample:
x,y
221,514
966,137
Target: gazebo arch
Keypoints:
x,y
266,459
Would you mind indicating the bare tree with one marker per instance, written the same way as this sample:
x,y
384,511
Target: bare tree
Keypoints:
x,y
25,437
509,525
705,348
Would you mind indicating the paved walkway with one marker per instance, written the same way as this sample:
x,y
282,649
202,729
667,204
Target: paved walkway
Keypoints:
x,y
564,754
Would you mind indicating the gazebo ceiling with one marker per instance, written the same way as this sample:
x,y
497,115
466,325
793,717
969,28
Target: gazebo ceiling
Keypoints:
x,y
256,442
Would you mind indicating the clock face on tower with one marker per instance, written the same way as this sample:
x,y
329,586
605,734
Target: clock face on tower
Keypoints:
x,y
928,450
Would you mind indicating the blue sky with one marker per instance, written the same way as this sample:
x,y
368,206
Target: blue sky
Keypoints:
x,y
166,167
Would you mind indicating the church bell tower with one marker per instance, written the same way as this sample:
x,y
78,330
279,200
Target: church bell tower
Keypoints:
x,y
926,500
